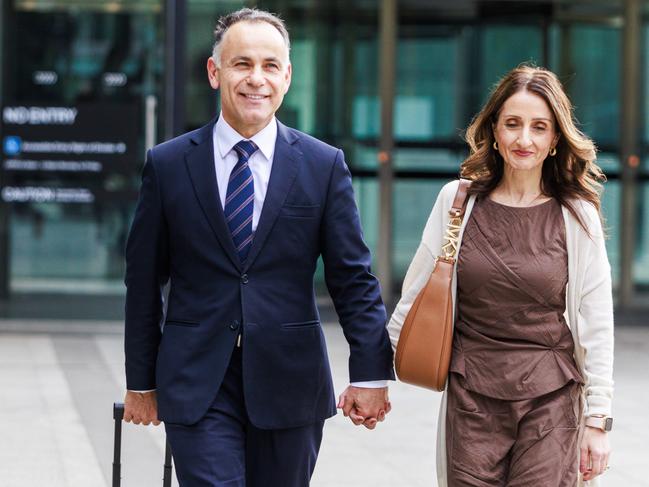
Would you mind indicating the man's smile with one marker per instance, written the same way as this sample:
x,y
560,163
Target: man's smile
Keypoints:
x,y
251,96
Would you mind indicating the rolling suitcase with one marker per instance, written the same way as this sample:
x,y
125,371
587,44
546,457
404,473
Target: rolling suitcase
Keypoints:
x,y
118,416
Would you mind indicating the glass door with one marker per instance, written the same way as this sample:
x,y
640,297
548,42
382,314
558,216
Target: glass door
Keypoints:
x,y
81,80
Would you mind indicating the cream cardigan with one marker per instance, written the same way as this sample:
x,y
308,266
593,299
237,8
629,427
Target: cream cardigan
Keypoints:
x,y
589,303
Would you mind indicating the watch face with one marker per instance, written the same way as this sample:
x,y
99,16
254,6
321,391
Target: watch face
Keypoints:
x,y
608,424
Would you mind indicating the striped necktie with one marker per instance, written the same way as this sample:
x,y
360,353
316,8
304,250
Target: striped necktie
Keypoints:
x,y
239,199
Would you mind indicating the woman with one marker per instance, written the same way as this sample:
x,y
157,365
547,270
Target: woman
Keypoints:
x,y
533,338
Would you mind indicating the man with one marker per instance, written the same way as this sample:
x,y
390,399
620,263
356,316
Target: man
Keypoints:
x,y
234,217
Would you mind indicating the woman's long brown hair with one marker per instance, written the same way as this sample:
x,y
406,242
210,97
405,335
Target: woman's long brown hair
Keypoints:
x,y
570,175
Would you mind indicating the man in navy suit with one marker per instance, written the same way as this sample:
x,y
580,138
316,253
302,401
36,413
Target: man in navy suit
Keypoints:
x,y
234,216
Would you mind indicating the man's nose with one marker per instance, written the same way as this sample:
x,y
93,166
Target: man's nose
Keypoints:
x,y
256,77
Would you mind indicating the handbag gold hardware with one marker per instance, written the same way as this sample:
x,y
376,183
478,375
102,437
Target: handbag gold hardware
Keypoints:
x,y
424,348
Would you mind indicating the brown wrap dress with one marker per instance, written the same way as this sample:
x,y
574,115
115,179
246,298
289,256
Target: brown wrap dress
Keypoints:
x,y
513,392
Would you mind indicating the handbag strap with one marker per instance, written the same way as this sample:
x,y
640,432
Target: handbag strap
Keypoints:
x,y
454,225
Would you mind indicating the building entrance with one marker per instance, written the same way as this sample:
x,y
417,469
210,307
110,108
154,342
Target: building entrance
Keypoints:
x,y
80,84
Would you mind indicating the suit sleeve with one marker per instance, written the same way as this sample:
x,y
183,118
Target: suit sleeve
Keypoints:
x,y
147,271
355,291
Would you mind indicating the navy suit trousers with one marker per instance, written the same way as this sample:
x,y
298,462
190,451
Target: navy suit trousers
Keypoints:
x,y
224,449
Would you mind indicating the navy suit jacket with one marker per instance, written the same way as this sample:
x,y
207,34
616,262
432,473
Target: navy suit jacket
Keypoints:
x,y
179,236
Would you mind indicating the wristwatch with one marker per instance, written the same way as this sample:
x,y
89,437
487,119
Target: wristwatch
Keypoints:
x,y
600,422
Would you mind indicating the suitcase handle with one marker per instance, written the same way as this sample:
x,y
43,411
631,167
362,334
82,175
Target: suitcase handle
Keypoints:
x,y
166,477
118,416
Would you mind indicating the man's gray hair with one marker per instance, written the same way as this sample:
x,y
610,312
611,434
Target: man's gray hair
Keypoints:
x,y
245,15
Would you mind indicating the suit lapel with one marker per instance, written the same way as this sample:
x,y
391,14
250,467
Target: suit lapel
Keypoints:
x,y
285,166
200,164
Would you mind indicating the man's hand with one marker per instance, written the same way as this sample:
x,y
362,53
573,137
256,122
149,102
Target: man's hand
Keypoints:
x,y
141,407
365,406
594,453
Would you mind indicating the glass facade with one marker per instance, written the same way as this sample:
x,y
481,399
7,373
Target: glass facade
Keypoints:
x,y
99,60
448,58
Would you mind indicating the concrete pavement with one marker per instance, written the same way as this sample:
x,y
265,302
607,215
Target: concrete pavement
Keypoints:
x,y
56,425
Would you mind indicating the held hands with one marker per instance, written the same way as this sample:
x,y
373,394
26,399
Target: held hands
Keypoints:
x,y
364,405
594,453
141,407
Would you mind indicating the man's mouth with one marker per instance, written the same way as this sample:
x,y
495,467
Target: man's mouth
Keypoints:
x,y
254,97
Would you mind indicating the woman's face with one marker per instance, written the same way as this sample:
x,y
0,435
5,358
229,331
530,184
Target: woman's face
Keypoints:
x,y
525,131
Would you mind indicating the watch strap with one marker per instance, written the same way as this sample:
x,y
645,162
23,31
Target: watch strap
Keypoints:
x,y
602,423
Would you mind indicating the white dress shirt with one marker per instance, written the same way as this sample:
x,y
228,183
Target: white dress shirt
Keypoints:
x,y
260,163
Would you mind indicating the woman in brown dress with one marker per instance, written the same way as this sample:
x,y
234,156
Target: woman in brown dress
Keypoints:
x,y
530,385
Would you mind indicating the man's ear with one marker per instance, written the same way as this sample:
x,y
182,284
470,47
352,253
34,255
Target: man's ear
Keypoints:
x,y
288,75
213,73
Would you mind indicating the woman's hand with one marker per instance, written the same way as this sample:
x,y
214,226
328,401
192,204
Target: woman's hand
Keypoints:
x,y
594,453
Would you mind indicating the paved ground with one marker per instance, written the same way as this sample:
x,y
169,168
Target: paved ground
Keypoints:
x,y
56,425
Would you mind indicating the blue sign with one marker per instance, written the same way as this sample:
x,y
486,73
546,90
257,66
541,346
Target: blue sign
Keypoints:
x,y
12,145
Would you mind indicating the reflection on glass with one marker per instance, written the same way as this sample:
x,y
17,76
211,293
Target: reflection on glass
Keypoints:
x,y
642,258
428,83
438,160
504,47
611,198
97,58
592,72
112,6
413,201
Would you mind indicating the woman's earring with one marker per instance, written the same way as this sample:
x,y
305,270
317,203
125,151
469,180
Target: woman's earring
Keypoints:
x,y
553,152
495,145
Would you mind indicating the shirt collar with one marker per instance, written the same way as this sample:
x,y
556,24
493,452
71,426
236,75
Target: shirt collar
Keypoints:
x,y
226,138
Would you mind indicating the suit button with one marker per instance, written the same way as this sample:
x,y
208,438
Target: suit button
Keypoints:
x,y
244,278
234,325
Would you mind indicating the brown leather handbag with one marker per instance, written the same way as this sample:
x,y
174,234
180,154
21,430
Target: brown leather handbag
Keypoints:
x,y
424,348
